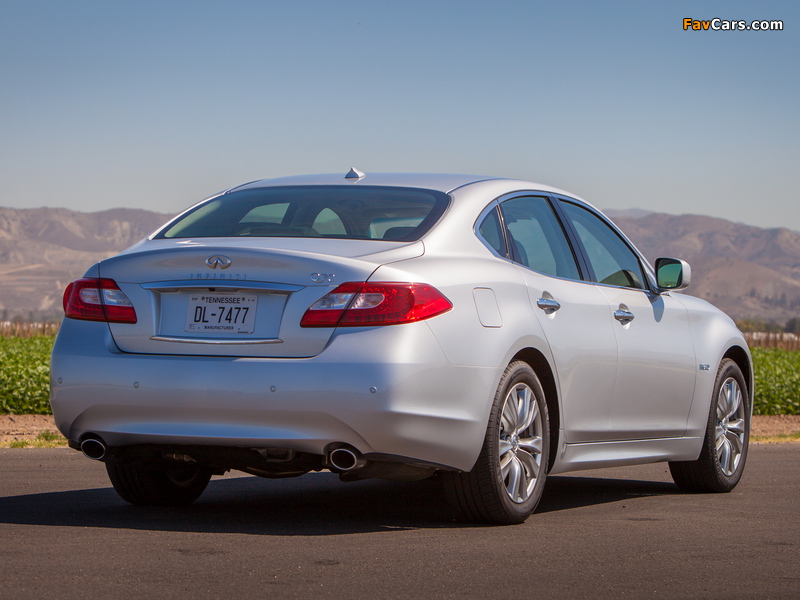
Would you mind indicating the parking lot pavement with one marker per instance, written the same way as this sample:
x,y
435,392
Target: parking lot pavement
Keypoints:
x,y
624,532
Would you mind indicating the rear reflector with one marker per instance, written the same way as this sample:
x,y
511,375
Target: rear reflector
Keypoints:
x,y
94,299
356,304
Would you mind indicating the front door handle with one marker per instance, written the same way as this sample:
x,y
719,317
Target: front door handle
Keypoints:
x,y
624,316
547,305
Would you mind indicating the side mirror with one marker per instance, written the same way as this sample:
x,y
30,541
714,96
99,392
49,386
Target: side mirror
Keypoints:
x,y
672,274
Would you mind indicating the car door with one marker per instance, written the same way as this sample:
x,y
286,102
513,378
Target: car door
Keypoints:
x,y
656,361
573,314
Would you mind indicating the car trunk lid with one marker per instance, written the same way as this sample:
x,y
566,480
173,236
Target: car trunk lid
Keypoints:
x,y
228,297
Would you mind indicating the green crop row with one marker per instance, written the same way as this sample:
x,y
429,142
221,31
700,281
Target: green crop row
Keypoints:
x,y
25,370
25,374
777,377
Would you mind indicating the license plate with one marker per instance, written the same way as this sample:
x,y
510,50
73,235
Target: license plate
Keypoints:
x,y
221,313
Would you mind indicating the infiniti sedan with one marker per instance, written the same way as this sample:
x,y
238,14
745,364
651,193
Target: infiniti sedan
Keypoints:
x,y
487,331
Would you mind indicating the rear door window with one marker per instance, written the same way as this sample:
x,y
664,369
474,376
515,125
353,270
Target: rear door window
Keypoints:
x,y
536,238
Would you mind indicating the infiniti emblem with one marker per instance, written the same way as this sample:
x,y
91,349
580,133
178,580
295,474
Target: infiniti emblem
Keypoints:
x,y
223,262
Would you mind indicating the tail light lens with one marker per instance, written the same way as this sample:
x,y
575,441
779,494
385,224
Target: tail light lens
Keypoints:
x,y
357,304
93,299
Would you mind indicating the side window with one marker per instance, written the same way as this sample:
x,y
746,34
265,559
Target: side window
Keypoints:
x,y
536,238
611,259
492,233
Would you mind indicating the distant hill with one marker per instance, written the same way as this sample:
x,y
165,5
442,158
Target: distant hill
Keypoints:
x,y
43,249
746,271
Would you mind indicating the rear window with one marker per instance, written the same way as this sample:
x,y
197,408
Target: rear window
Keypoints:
x,y
356,213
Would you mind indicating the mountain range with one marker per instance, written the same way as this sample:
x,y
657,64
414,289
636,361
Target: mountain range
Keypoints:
x,y
748,272
43,249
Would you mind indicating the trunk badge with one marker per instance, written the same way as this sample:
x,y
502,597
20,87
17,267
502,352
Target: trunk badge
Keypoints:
x,y
223,262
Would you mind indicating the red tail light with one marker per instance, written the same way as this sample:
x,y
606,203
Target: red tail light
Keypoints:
x,y
93,299
357,304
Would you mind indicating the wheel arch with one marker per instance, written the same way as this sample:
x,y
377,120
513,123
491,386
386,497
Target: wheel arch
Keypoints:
x,y
537,361
740,356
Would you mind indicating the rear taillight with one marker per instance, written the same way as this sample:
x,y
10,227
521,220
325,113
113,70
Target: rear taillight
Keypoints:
x,y
357,304
93,299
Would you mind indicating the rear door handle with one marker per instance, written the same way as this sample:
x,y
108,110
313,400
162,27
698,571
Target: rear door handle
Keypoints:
x,y
547,305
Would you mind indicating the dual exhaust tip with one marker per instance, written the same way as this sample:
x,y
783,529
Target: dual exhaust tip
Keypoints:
x,y
346,459
94,448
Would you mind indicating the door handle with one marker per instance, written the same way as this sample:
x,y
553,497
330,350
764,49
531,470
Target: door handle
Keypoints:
x,y
547,305
624,316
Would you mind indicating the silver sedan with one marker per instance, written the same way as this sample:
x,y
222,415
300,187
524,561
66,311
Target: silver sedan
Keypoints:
x,y
397,326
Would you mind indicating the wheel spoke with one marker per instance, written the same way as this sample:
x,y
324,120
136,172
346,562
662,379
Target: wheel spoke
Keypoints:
x,y
736,399
524,408
730,399
531,466
505,464
724,452
736,427
720,438
515,473
722,404
531,445
509,420
531,415
735,444
505,447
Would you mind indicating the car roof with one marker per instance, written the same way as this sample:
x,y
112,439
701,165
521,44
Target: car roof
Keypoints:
x,y
442,182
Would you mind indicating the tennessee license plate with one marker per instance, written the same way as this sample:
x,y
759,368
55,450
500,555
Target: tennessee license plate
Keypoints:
x,y
221,313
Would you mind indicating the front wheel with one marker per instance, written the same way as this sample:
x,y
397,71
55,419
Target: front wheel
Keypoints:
x,y
507,481
158,484
722,459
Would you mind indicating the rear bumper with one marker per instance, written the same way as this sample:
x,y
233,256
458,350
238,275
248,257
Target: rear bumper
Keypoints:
x,y
387,391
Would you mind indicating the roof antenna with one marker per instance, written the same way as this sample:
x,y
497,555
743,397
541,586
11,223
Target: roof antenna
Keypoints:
x,y
354,174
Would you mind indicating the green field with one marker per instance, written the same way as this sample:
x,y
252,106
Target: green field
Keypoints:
x,y
24,377
777,375
25,374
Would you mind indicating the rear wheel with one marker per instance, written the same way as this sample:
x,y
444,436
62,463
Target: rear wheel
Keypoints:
x,y
507,481
158,484
722,459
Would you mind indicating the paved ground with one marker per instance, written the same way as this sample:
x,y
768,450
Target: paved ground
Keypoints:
x,y
608,533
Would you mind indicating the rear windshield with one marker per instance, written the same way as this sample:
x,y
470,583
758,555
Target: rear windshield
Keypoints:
x,y
360,213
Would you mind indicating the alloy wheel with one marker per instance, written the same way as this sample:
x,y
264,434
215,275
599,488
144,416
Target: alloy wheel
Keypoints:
x,y
520,445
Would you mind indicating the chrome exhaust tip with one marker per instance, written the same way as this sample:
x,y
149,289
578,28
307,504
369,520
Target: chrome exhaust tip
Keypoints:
x,y
93,448
346,459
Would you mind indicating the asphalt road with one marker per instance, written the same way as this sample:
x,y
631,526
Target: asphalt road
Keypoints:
x,y
626,533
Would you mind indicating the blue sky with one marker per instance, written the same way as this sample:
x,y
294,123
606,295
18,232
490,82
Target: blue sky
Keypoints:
x,y
156,105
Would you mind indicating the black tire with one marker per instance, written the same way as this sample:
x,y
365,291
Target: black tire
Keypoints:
x,y
724,453
507,481
158,484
